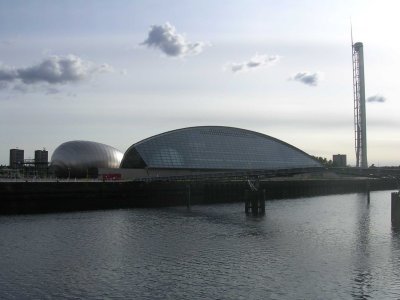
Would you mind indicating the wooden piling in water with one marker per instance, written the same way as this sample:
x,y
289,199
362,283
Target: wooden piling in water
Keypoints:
x,y
188,196
254,201
396,210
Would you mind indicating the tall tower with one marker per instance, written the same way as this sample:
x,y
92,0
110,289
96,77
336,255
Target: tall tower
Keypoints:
x,y
360,125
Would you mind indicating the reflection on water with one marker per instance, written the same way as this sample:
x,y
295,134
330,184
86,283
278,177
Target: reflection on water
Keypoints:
x,y
363,278
333,247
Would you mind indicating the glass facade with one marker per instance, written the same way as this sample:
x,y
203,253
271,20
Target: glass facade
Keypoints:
x,y
214,147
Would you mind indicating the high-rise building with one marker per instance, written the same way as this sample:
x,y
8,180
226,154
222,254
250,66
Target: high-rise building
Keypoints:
x,y
16,158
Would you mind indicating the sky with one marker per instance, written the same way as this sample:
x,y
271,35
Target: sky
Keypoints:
x,y
116,72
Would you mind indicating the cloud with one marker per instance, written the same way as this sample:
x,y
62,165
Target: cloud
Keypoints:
x,y
6,43
103,68
60,70
235,67
166,39
53,70
72,95
376,98
311,79
22,88
257,61
52,91
7,74
3,85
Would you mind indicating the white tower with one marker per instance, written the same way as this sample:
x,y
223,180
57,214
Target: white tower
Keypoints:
x,y
360,125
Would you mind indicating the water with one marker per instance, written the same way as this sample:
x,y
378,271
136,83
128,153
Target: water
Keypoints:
x,y
331,247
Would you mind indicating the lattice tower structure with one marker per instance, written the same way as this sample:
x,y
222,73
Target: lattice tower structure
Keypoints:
x,y
360,124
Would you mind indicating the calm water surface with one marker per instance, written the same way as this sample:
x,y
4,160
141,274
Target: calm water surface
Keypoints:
x,y
331,247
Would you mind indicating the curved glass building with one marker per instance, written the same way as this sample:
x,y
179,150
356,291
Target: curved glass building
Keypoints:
x,y
215,148
78,159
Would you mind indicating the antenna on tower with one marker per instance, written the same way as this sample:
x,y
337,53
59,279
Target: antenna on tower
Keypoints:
x,y
351,33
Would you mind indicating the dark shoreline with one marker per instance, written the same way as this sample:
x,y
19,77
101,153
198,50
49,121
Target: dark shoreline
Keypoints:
x,y
38,197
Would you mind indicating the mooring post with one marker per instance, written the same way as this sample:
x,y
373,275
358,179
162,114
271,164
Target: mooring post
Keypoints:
x,y
255,202
188,195
263,201
246,202
396,210
259,203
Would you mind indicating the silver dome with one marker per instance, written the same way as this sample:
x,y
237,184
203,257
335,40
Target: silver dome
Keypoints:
x,y
77,159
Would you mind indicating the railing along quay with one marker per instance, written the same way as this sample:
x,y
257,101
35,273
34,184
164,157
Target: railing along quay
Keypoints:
x,y
235,175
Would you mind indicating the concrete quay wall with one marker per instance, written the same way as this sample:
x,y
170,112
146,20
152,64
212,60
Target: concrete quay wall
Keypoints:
x,y
33,197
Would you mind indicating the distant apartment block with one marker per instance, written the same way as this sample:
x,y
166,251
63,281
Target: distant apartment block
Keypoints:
x,y
16,158
41,162
41,157
339,160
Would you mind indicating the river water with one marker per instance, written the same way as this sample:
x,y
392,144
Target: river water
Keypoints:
x,y
330,247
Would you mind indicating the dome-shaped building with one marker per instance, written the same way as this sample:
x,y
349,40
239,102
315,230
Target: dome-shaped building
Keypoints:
x,y
210,148
79,159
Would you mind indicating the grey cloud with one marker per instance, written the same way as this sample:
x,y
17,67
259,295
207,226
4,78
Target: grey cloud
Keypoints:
x,y
103,68
256,61
7,74
165,38
311,79
6,43
52,71
52,91
3,85
59,70
21,88
376,98
252,64
237,67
